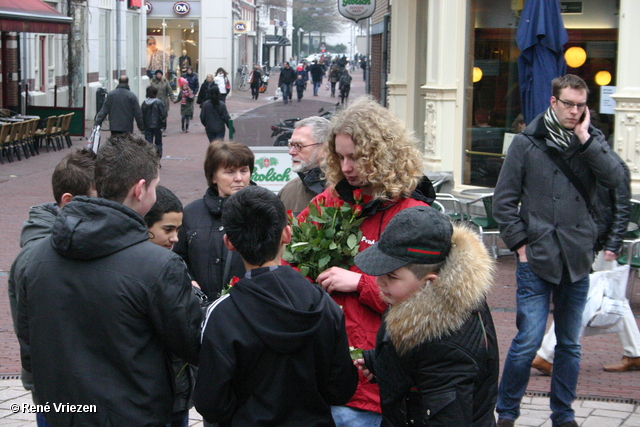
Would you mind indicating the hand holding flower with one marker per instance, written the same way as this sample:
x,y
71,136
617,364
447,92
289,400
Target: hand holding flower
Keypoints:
x,y
336,279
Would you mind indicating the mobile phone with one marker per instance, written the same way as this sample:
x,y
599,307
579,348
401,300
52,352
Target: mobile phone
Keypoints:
x,y
584,114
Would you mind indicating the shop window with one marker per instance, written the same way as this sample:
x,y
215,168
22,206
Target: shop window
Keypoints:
x,y
494,105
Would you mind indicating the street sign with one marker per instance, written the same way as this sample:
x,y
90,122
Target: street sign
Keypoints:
x,y
356,10
181,8
148,7
240,27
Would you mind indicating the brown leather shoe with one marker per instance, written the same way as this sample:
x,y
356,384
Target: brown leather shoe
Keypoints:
x,y
503,422
626,364
542,365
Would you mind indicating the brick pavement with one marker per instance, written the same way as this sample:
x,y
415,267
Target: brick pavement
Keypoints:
x,y
27,183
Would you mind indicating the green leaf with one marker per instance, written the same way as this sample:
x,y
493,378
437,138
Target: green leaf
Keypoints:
x,y
322,263
299,244
313,210
356,353
304,270
352,241
333,246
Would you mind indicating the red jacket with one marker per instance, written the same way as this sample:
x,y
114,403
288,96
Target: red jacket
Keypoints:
x,y
363,309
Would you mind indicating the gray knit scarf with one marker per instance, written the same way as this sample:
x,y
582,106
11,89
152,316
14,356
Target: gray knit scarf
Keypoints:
x,y
560,135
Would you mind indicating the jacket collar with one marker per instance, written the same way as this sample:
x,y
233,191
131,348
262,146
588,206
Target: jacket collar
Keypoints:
x,y
313,180
446,304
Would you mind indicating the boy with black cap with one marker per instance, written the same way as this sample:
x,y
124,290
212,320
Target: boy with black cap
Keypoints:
x,y
436,356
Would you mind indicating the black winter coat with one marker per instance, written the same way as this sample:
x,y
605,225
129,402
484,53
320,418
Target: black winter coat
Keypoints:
x,y
287,76
274,353
214,119
201,246
122,107
436,357
205,92
154,115
106,307
613,212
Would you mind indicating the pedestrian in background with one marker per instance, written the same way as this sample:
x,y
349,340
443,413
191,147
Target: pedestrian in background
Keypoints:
x,y
334,76
122,107
165,93
185,98
154,117
317,73
224,86
214,116
205,90
255,81
345,85
285,82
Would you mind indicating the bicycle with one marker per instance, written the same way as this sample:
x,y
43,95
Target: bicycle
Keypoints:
x,y
242,78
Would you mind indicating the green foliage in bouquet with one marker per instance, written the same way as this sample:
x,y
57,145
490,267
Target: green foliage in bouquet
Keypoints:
x,y
328,237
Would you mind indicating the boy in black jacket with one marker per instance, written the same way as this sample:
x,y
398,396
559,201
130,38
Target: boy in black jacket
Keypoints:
x,y
274,348
436,356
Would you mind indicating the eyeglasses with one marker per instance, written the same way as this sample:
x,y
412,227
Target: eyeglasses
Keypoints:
x,y
569,105
298,146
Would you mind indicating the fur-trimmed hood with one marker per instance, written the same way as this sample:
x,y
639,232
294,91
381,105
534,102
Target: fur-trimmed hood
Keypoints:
x,y
445,305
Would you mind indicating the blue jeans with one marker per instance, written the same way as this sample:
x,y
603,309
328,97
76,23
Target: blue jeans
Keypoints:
x,y
41,421
287,89
316,86
345,416
532,300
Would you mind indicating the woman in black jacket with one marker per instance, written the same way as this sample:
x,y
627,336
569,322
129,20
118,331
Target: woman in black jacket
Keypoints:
x,y
256,80
227,167
214,115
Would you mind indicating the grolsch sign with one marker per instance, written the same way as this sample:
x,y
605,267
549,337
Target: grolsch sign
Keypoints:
x,y
356,10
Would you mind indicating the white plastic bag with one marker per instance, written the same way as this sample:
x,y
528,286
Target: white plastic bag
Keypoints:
x,y
604,308
93,143
278,93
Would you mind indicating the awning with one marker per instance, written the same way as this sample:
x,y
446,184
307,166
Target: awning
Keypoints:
x,y
32,16
271,40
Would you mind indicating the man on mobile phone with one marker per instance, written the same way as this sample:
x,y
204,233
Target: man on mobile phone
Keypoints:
x,y
543,204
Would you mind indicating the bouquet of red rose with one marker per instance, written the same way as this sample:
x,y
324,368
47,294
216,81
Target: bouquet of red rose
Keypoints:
x,y
328,237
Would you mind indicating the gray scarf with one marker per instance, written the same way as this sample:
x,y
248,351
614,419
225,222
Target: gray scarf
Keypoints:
x,y
560,135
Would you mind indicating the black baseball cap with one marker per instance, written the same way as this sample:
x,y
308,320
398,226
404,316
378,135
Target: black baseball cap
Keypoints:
x,y
419,235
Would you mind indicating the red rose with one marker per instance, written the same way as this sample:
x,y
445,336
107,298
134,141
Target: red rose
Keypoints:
x,y
357,210
233,281
290,215
357,195
339,203
320,200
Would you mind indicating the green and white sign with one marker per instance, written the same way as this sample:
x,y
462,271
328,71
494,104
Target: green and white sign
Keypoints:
x,y
272,168
356,10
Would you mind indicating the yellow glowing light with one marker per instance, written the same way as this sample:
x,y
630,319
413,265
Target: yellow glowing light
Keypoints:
x,y
575,57
603,78
477,74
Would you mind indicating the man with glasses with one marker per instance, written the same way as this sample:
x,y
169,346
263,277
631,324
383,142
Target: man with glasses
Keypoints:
x,y
543,204
306,148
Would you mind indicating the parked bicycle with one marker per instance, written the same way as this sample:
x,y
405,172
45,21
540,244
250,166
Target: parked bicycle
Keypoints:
x,y
242,78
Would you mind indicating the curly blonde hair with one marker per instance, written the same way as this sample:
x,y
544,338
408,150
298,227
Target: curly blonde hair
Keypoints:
x,y
385,150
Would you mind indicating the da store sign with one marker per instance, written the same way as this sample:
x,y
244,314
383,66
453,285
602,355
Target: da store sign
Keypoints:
x,y
356,10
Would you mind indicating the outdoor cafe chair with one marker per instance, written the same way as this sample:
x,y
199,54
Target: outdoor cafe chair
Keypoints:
x,y
66,123
5,149
46,134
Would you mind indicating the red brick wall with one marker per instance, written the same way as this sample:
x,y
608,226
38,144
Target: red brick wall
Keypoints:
x,y
376,66
9,44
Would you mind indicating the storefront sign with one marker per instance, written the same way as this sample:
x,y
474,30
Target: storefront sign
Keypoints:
x,y
148,7
272,168
607,103
240,27
570,7
181,8
356,10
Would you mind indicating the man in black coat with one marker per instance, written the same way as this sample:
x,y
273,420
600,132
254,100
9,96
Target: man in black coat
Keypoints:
x,y
122,107
285,82
100,306
317,72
